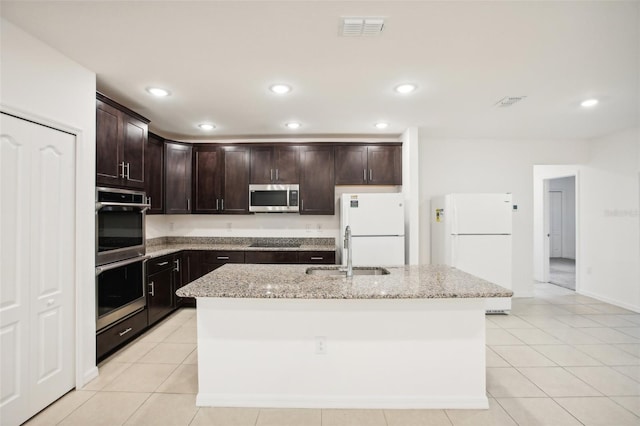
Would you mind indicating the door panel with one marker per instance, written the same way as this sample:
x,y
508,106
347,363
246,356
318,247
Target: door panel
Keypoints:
x,y
351,165
555,225
108,155
481,213
485,256
135,138
375,214
376,251
37,245
287,165
236,180
207,185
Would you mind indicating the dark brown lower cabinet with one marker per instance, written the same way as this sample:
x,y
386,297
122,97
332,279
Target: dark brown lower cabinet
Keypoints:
x,y
271,257
319,257
160,278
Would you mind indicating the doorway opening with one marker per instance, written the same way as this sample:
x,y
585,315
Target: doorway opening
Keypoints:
x,y
556,225
562,231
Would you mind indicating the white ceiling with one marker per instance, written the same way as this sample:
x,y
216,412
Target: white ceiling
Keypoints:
x,y
218,59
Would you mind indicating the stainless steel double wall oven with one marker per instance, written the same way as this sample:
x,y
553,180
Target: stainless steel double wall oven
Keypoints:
x,y
120,254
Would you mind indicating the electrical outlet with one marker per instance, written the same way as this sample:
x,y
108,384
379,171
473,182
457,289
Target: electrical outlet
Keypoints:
x,y
229,226
172,226
309,227
319,228
321,345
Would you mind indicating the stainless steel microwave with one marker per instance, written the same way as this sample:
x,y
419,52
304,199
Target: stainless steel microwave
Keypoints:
x,y
274,198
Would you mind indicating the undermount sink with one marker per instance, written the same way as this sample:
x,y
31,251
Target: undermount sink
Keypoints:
x,y
336,272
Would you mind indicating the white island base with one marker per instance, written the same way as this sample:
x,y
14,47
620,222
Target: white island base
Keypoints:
x,y
341,353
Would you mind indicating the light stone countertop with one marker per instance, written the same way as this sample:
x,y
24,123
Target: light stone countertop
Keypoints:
x,y
291,282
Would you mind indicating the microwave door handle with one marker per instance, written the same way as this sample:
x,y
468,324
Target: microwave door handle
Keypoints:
x,y
103,268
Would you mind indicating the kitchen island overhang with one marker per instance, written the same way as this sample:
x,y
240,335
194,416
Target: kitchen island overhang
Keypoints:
x,y
272,336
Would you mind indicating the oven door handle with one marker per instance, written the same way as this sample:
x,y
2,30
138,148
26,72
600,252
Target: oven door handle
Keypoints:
x,y
101,204
103,268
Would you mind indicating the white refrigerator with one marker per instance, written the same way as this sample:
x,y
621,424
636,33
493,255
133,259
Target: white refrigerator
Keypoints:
x,y
472,232
377,228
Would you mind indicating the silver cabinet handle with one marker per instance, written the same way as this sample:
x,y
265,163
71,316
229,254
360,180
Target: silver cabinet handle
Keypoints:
x,y
277,178
364,174
370,175
222,204
317,258
217,204
270,174
188,203
149,201
122,333
163,263
223,257
128,170
177,267
302,204
153,288
122,175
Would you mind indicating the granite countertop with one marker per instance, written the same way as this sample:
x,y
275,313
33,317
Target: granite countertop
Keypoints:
x,y
174,245
291,282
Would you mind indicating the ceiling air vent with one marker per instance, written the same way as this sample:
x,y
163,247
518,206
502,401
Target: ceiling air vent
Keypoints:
x,y
358,27
507,101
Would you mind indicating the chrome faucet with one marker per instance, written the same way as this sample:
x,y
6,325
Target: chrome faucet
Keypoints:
x,y
347,245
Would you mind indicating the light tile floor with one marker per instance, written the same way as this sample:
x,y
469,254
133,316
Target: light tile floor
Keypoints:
x,y
559,359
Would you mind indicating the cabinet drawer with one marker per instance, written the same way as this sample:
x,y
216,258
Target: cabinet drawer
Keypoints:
x,y
223,257
323,257
159,264
271,257
120,333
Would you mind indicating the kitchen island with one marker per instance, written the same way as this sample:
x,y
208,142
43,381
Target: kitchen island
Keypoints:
x,y
275,336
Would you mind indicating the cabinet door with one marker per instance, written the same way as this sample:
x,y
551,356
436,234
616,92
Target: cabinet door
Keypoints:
x,y
108,150
290,257
133,144
154,173
177,179
286,163
235,194
351,165
159,294
207,164
317,185
262,165
385,165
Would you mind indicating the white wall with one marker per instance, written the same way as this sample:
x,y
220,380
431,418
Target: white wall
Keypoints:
x,y
467,165
39,83
567,185
610,209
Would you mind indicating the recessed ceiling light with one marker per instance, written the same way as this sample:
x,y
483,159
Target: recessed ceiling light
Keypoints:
x,y
589,103
205,126
382,125
292,125
406,88
156,91
280,89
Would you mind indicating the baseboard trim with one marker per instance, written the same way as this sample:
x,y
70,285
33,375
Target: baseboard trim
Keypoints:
x,y
337,401
605,299
89,375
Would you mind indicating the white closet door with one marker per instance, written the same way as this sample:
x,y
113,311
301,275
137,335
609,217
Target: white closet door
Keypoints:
x,y
37,252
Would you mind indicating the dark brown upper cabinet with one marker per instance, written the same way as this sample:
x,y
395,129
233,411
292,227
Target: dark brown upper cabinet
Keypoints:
x,y
154,174
369,165
121,136
177,178
317,186
221,179
275,164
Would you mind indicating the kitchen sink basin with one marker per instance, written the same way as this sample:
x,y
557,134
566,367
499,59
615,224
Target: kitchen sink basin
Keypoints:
x,y
337,272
